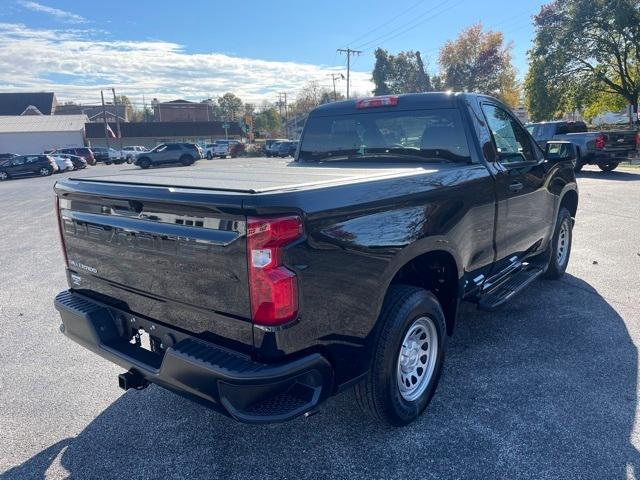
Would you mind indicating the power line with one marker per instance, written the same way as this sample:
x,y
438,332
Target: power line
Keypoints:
x,y
402,28
421,22
366,34
348,52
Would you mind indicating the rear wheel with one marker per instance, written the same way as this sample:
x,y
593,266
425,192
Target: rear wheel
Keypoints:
x,y
144,163
4,176
209,156
608,167
560,247
408,357
44,172
186,160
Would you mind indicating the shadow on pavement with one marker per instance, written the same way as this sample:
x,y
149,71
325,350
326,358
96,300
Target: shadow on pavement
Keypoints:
x,y
626,176
544,388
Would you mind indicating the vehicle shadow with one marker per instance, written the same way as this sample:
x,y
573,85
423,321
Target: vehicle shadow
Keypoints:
x,y
539,389
626,176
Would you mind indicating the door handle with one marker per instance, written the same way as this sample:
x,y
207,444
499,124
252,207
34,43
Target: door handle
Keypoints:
x,y
515,187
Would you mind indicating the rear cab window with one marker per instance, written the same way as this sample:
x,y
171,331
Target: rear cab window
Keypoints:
x,y
405,135
542,131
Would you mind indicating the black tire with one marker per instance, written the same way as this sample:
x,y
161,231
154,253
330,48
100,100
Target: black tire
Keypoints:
x,y
186,160
45,171
144,163
4,176
209,156
608,167
129,160
378,395
223,156
556,263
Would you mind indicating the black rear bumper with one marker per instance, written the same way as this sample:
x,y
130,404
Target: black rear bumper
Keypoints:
x,y
226,380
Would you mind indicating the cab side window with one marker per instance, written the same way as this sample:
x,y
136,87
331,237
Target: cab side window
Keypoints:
x,y
511,141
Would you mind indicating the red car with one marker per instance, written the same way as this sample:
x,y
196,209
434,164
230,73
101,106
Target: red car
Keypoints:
x,y
83,152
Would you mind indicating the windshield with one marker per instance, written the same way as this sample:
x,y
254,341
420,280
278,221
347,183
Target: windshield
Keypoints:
x,y
421,135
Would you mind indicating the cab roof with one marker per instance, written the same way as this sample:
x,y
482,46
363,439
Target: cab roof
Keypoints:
x,y
406,101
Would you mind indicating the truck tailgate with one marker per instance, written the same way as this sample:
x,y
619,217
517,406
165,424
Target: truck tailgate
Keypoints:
x,y
620,141
180,262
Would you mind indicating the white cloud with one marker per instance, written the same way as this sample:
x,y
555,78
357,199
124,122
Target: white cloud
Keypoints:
x,y
76,64
54,12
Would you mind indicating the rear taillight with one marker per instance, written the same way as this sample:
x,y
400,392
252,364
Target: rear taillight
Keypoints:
x,y
382,101
638,140
272,286
59,215
600,142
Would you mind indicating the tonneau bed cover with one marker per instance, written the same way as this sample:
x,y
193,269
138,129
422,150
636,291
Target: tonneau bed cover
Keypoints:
x,y
255,175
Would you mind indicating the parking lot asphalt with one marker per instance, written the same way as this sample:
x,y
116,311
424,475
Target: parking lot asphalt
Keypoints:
x,y
545,388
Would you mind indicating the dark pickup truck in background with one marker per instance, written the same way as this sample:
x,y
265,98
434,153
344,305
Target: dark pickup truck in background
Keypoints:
x,y
605,149
262,288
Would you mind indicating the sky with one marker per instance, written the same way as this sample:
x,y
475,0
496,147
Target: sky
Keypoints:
x,y
201,49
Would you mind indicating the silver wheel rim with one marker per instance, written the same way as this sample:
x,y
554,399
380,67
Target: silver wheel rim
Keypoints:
x,y
562,249
3,175
44,172
417,358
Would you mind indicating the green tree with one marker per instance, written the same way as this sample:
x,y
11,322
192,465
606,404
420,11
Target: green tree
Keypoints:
x,y
590,44
268,120
231,107
401,73
478,61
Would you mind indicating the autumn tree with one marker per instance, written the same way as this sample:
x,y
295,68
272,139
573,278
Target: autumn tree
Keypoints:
x,y
311,95
268,120
401,73
231,107
590,44
479,61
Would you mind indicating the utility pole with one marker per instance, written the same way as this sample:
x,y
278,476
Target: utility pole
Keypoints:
x,y
349,52
115,106
282,95
104,117
335,76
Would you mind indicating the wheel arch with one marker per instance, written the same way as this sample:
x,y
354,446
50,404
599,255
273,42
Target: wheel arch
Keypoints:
x,y
569,200
437,271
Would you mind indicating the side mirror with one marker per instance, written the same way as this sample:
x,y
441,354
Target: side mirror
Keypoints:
x,y
561,152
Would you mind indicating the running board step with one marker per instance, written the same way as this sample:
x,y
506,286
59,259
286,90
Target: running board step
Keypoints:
x,y
506,290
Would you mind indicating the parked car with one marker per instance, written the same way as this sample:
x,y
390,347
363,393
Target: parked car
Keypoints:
x,y
605,149
271,146
262,292
83,152
184,153
78,162
24,165
225,148
287,149
64,164
6,156
130,152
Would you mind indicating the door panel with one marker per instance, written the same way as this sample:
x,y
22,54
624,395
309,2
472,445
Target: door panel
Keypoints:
x,y
524,203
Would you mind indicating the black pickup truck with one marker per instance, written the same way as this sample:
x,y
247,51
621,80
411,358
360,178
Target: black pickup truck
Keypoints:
x,y
263,287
